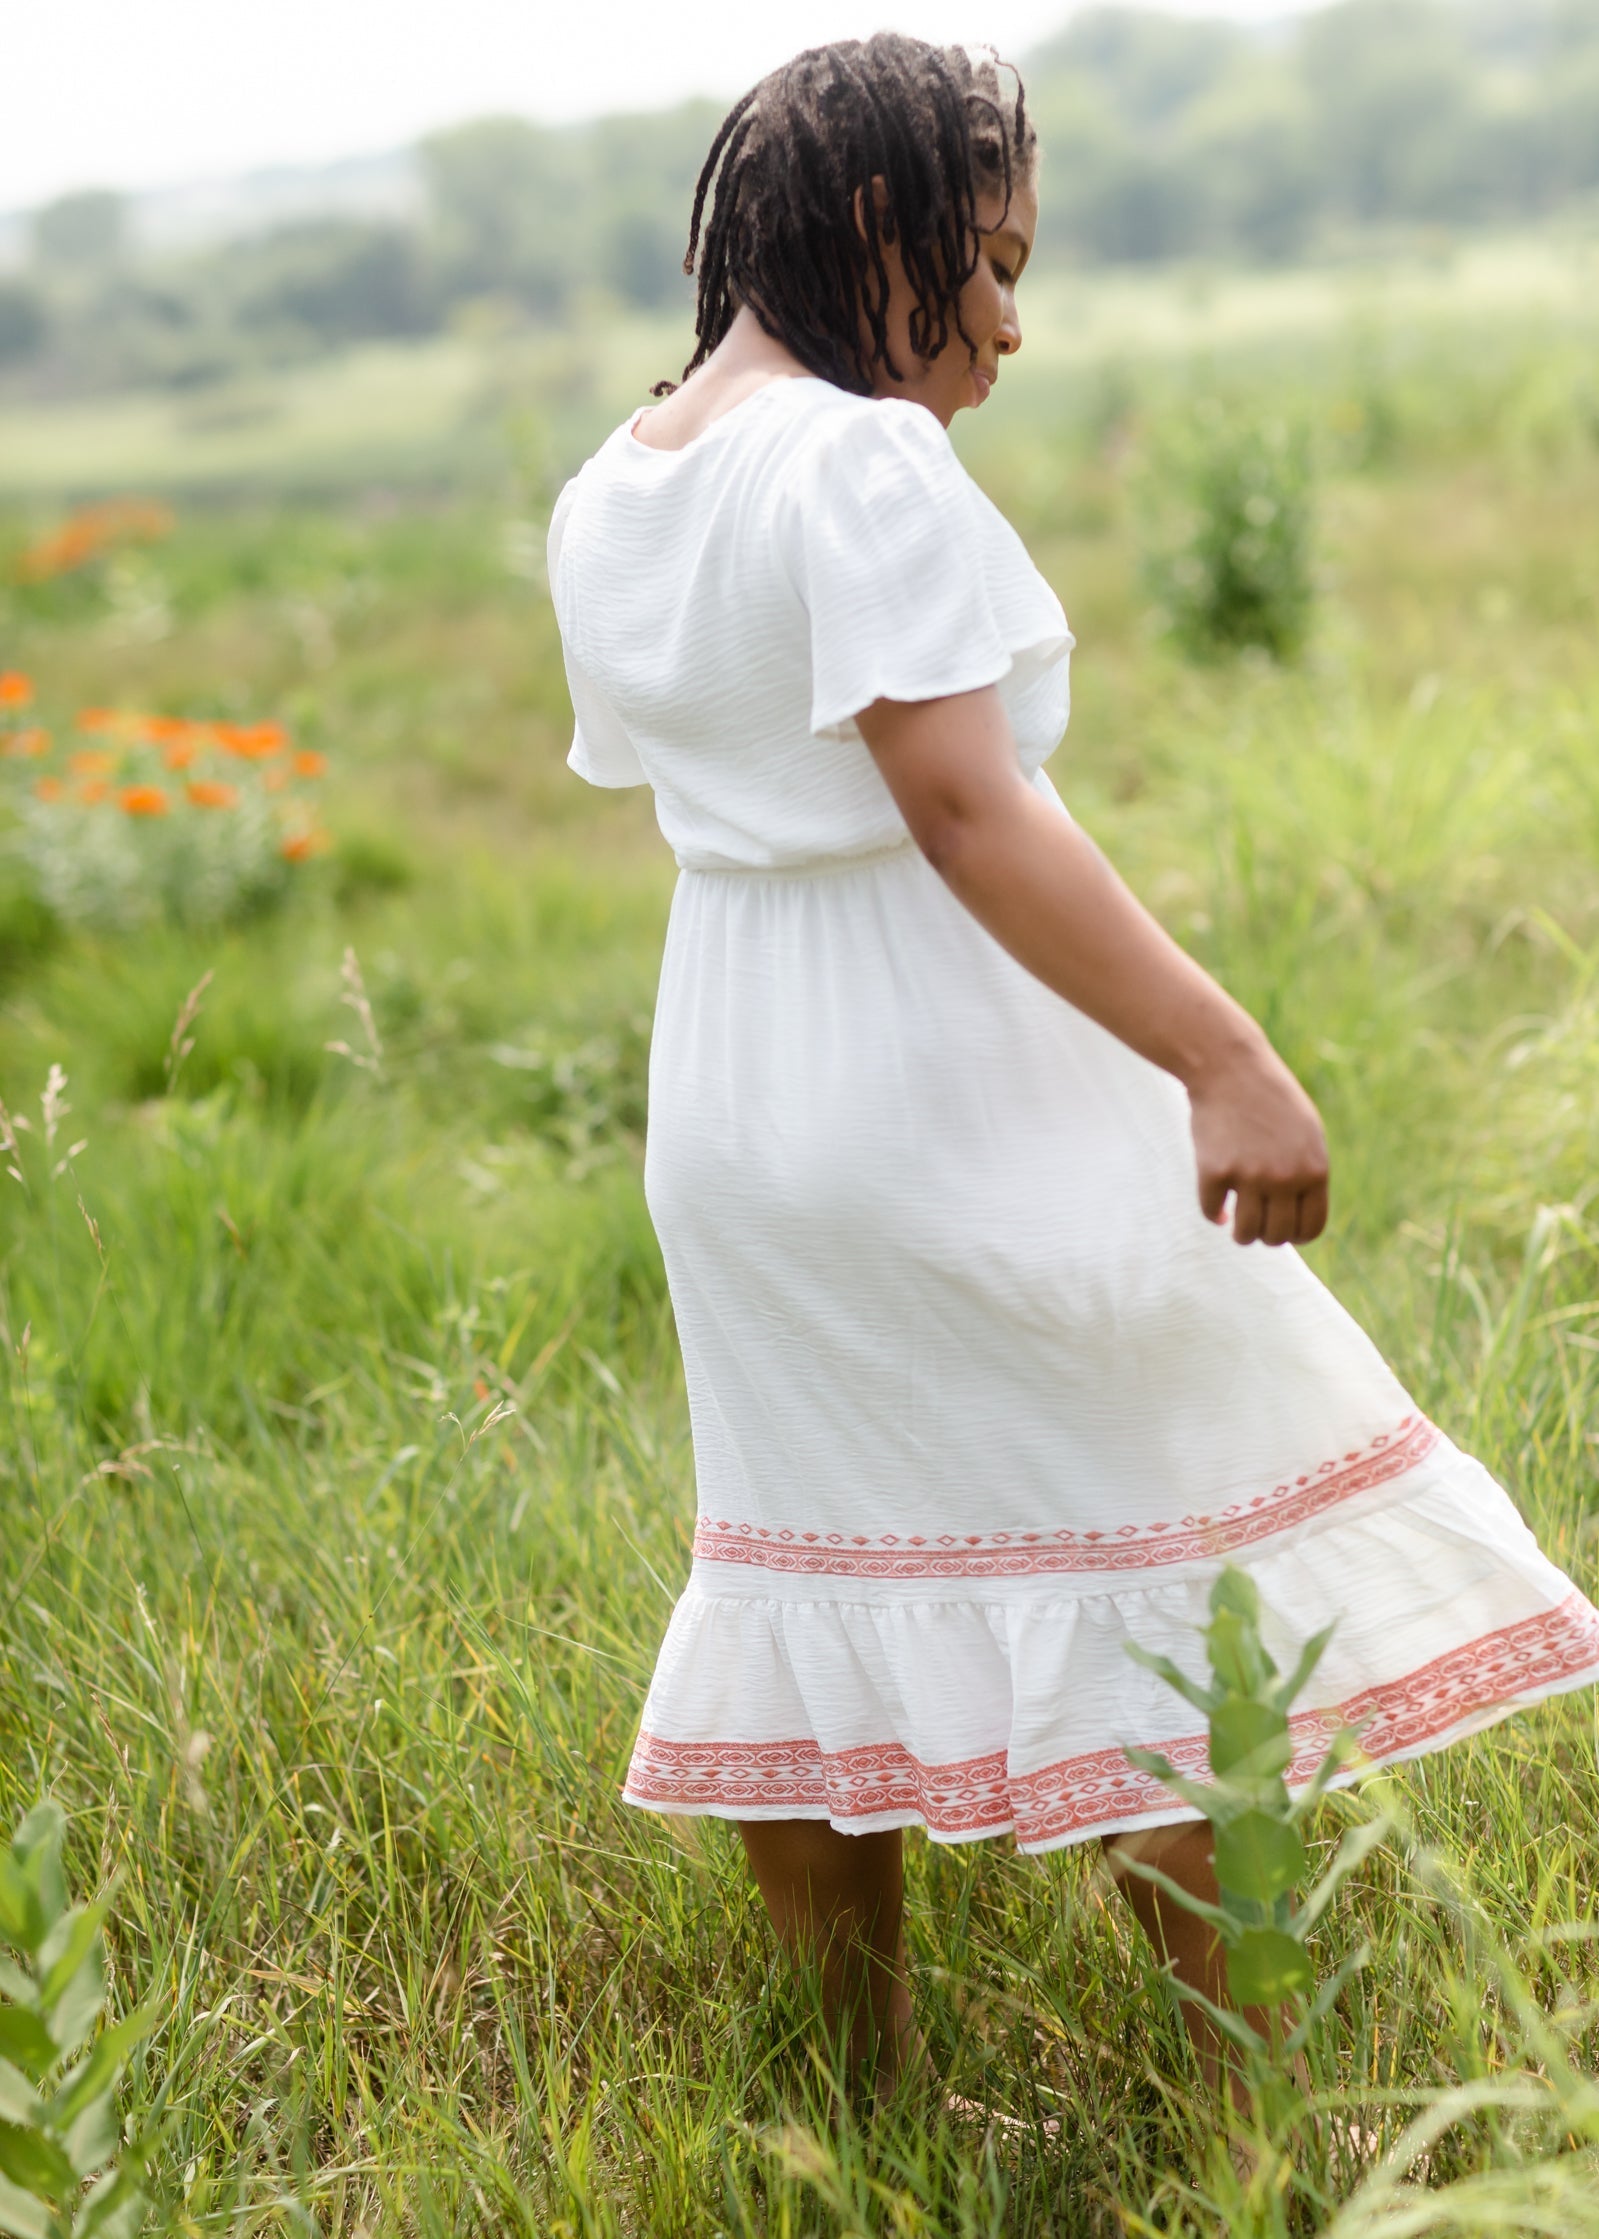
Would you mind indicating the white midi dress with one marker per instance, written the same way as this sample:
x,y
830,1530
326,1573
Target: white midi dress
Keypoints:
x,y
977,1395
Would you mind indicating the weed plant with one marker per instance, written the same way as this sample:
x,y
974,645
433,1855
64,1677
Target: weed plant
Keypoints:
x,y
344,1472
1227,500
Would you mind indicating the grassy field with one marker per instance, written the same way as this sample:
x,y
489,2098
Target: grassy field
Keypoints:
x,y
344,1474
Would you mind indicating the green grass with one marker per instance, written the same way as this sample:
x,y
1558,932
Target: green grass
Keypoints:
x,y
339,1672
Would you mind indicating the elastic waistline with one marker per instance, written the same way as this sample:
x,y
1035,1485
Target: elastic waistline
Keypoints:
x,y
821,866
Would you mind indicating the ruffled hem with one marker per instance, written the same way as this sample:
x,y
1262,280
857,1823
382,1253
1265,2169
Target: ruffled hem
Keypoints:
x,y
977,1718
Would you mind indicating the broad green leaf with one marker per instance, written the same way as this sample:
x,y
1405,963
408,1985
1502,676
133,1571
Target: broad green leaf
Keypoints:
x,y
75,2011
36,1847
19,2102
35,2162
112,2209
1258,1857
1266,1966
61,1954
1249,1735
102,2067
22,1920
94,2137
21,2216
1236,1656
25,2039
1234,1590
14,1984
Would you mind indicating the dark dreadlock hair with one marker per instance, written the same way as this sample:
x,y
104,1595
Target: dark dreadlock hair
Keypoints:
x,y
934,123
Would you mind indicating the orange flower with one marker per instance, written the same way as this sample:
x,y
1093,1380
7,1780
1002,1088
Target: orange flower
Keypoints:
x,y
252,742
91,790
308,763
16,690
92,761
142,800
48,788
299,845
211,793
274,781
33,741
178,753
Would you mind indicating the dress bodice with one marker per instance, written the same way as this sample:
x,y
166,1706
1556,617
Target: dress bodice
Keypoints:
x,y
728,608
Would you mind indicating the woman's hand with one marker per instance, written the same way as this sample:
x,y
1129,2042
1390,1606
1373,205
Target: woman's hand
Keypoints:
x,y
1041,887
1258,1140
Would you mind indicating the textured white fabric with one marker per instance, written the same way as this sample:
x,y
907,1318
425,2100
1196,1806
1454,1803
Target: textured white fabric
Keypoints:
x,y
977,1395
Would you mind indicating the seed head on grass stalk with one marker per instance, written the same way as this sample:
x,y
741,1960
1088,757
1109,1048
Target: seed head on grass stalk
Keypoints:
x,y
182,1041
355,999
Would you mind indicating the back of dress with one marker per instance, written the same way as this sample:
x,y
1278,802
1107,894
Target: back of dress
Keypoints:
x,y
977,1395
727,609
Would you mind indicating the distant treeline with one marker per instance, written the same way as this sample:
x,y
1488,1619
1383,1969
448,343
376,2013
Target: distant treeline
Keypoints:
x,y
1164,138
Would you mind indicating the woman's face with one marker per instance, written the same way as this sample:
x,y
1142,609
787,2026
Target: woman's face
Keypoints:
x,y
958,376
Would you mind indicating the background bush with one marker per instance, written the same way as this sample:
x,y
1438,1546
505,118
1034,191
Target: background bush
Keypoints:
x,y
1228,506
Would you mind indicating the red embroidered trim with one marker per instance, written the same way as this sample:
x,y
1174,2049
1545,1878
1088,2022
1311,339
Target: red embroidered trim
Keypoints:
x,y
1029,1554
979,1796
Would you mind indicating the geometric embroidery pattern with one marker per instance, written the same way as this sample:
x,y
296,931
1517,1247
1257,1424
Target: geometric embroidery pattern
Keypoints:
x,y
1031,1554
981,1796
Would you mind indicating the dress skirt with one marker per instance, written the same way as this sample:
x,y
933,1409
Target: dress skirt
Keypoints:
x,y
978,1397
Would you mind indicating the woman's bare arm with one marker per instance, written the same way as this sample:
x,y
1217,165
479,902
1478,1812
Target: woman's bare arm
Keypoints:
x,y
1045,892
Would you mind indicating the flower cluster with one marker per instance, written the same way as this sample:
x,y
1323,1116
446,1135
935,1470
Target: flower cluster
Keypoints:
x,y
156,815
88,533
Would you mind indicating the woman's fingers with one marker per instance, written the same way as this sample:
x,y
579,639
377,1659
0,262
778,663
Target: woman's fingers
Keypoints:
x,y
1282,1217
1312,1213
1266,1216
1249,1216
1214,1191
1259,1142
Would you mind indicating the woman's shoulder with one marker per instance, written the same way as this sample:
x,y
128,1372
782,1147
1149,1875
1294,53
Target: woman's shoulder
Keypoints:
x,y
859,452
837,420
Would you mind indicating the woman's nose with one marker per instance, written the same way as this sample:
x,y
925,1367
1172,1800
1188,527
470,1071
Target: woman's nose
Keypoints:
x,y
1009,338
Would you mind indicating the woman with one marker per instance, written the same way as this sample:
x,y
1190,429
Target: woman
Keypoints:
x,y
979,1392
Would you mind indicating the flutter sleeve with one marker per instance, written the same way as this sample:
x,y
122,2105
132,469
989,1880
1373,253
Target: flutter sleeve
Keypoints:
x,y
915,588
602,750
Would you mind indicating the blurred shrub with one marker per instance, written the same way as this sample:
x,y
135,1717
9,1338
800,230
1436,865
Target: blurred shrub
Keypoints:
x,y
371,862
1226,502
331,282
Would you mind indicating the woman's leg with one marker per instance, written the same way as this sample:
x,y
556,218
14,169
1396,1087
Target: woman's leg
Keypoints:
x,y
837,1902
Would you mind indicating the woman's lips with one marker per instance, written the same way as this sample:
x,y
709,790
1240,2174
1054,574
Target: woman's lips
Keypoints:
x,y
983,382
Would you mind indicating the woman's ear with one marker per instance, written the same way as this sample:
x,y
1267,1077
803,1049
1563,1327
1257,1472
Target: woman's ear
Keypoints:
x,y
885,217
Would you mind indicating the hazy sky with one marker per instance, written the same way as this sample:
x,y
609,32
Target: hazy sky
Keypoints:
x,y
138,93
